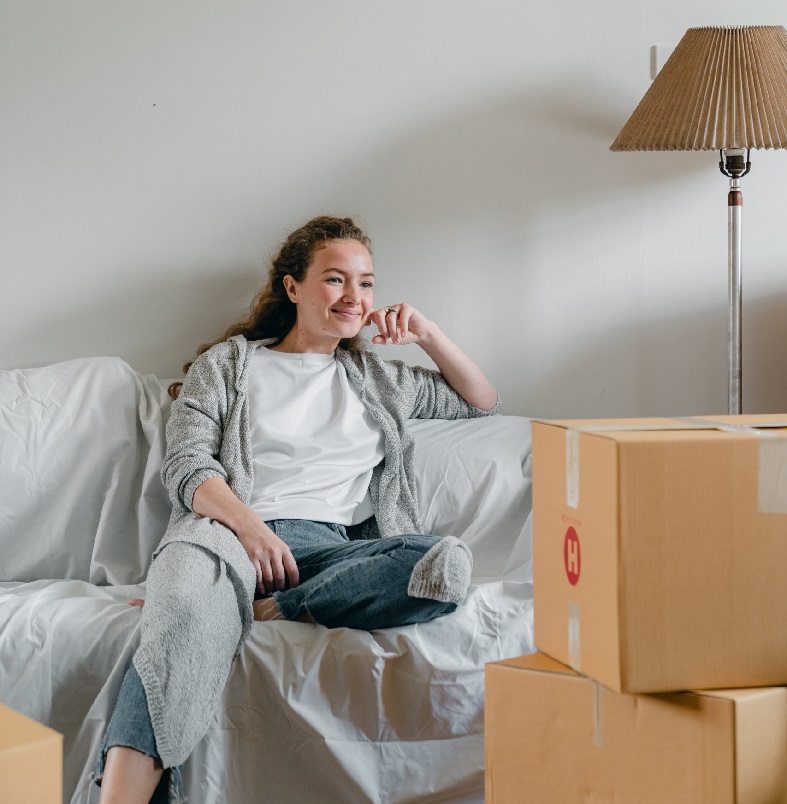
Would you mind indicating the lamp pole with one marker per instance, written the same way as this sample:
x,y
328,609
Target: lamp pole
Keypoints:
x,y
734,166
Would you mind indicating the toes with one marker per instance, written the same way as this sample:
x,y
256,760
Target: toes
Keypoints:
x,y
136,602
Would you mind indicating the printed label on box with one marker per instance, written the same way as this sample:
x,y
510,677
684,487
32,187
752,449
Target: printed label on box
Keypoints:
x,y
572,558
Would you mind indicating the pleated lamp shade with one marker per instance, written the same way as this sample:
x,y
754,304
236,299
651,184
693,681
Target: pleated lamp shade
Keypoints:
x,y
721,88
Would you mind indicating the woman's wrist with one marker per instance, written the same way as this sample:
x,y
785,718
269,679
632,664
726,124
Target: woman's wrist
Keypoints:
x,y
248,524
216,500
430,338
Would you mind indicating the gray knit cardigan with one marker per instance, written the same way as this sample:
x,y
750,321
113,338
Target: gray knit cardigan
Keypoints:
x,y
208,436
208,429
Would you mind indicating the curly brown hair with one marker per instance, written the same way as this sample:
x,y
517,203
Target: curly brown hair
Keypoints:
x,y
271,313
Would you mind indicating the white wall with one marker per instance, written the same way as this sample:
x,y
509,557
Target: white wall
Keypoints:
x,y
153,154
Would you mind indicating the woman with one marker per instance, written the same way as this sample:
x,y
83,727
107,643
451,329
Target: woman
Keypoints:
x,y
287,461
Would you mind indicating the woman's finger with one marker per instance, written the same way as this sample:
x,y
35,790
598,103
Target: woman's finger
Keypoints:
x,y
403,323
291,568
278,574
393,316
388,323
382,322
267,576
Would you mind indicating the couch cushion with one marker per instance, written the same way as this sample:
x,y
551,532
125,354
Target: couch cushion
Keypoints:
x,y
81,444
475,482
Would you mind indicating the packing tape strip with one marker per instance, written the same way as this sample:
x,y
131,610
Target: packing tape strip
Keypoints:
x,y
572,468
575,662
772,468
772,463
772,478
574,645
597,735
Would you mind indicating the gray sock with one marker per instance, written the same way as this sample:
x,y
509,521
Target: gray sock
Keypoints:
x,y
443,573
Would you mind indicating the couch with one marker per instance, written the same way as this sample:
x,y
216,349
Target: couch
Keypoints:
x,y
309,714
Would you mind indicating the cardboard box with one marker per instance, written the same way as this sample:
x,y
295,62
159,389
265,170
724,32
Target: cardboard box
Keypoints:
x,y
31,761
553,735
660,550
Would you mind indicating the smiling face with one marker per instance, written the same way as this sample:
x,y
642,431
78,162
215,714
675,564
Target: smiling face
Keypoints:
x,y
334,298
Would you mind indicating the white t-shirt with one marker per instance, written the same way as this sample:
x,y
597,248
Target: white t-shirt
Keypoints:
x,y
313,443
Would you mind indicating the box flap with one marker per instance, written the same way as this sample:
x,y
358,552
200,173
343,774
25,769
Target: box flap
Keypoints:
x,y
537,661
613,428
742,695
17,730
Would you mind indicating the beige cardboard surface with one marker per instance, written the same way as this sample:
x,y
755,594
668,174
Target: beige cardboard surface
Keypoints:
x,y
31,761
553,735
681,581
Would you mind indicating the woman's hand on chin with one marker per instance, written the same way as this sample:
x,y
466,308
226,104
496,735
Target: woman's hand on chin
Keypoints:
x,y
400,324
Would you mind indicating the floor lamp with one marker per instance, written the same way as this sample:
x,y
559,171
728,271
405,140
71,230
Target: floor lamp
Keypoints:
x,y
722,89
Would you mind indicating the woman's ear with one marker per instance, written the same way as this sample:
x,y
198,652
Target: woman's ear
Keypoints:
x,y
291,286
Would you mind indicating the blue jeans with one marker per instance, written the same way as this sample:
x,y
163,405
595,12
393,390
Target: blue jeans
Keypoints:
x,y
131,727
342,583
353,584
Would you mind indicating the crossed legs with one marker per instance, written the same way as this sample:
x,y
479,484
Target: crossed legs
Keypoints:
x,y
367,584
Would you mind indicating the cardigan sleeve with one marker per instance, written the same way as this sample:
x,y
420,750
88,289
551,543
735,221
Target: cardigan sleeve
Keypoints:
x,y
425,394
195,429
436,399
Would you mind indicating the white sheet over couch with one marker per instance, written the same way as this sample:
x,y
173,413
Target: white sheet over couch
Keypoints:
x,y
309,714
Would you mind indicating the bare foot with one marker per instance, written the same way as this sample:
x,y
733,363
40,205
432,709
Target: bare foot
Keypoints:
x,y
137,601
267,609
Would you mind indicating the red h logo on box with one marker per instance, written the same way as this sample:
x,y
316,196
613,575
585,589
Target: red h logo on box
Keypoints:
x,y
572,557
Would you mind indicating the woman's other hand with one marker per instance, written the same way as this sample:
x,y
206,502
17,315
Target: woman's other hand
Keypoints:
x,y
271,558
400,324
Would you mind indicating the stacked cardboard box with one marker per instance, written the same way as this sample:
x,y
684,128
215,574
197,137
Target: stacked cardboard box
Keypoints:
x,y
31,761
660,550
553,735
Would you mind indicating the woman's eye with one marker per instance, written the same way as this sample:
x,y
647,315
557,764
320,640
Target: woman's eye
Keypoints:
x,y
334,279
367,285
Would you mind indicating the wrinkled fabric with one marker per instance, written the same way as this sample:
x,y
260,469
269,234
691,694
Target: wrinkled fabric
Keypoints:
x,y
308,713
475,481
81,445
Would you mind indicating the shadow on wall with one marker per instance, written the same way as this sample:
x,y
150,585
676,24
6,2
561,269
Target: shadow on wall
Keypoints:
x,y
483,193
511,174
671,367
492,166
490,194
